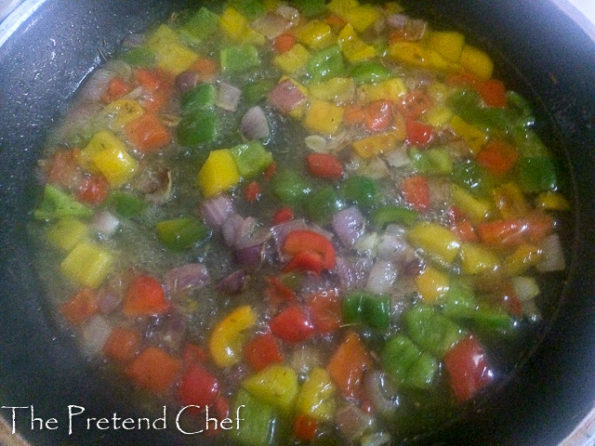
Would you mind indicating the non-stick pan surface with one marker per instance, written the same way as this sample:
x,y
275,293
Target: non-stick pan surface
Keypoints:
x,y
47,49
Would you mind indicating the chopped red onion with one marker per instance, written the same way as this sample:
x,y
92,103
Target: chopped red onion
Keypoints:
x,y
172,332
254,124
383,397
553,255
185,277
216,210
108,300
95,86
352,422
286,96
271,25
230,229
349,225
228,97
391,246
234,283
352,275
105,223
250,257
187,80
95,334
382,277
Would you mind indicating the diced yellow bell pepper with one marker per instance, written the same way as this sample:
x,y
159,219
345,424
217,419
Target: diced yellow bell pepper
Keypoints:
x,y
293,60
377,144
388,90
474,137
100,141
417,55
316,396
552,201
237,27
354,48
337,89
439,91
361,17
123,111
276,385
510,200
477,62
316,34
438,115
87,264
432,284
449,44
227,339
523,257
67,233
219,173
477,209
477,259
435,240
171,55
116,165
342,7
323,117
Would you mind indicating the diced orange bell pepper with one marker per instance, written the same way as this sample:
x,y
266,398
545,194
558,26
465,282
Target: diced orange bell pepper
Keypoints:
x,y
348,364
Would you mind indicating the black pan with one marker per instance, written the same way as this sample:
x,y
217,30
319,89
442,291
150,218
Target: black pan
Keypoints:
x,y
46,50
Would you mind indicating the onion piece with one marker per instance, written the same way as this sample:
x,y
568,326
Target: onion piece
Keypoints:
x,y
228,97
398,158
289,13
368,244
250,257
271,25
382,277
172,332
552,255
108,300
316,143
286,96
105,223
95,86
383,397
352,422
186,277
526,288
94,334
304,358
254,124
349,225
234,283
216,210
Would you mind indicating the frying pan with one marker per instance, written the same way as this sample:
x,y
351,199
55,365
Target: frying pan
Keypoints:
x,y
48,47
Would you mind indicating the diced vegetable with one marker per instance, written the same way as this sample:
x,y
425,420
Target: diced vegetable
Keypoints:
x,y
408,364
181,233
436,240
251,158
262,351
292,60
290,187
432,284
219,173
323,117
154,369
449,44
227,339
87,264
430,330
537,174
326,64
239,58
473,136
477,259
202,24
57,204
139,56
237,28
122,344
322,205
477,209
476,61
363,191
367,309
126,204
292,325
145,297
315,34
276,385
201,97
67,232
316,396
468,368
394,214
473,177
377,144
80,307
199,127
348,364
147,133
259,426
354,49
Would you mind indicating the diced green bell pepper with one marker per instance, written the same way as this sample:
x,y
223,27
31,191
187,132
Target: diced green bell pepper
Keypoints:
x,y
311,8
239,58
473,177
259,423
407,363
435,161
528,143
202,24
467,105
181,233
251,9
125,204
521,108
57,204
430,330
326,64
363,191
139,57
256,91
322,205
370,73
537,174
251,158
367,309
394,214
199,127
201,97
291,188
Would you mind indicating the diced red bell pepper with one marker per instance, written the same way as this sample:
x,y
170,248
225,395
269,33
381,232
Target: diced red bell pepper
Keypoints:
x,y
325,310
378,115
122,344
305,261
252,192
270,171
304,240
292,325
348,364
533,228
510,301
419,134
277,290
194,353
154,369
282,215
468,368
116,88
464,230
416,192
262,351
284,43
493,93
304,427
80,307
415,103
93,190
145,297
198,386
498,157
158,85
323,165
147,133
